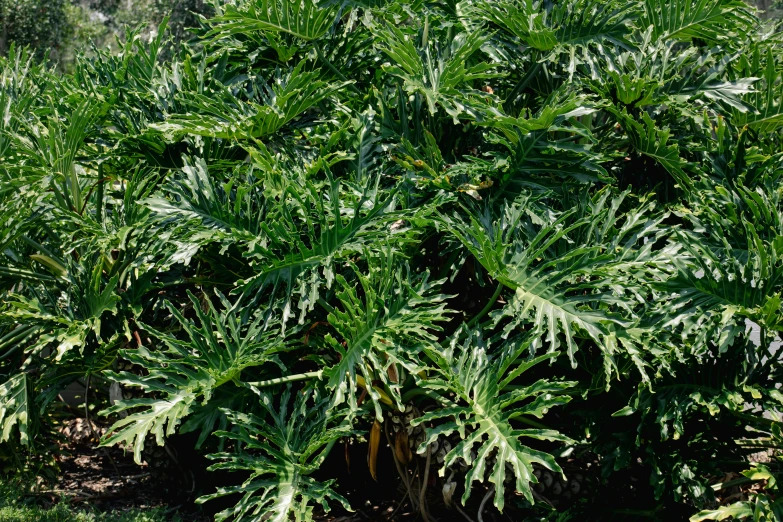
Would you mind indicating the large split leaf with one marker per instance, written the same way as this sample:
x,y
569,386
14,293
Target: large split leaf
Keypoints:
x,y
546,262
15,408
487,414
279,450
212,354
221,115
443,75
577,29
688,19
300,18
394,318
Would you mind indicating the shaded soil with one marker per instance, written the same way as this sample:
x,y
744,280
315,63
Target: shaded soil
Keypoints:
x,y
107,479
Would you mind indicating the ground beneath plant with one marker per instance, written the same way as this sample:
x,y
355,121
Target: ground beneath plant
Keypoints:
x,y
108,479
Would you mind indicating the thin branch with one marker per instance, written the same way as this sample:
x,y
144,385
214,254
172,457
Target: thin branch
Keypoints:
x,y
402,472
462,512
423,490
484,503
86,406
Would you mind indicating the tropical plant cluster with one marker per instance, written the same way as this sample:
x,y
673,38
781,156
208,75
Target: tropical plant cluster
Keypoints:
x,y
531,249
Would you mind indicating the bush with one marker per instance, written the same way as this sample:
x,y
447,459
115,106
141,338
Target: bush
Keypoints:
x,y
517,241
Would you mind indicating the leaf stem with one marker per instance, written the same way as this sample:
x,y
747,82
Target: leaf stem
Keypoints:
x,y
335,70
414,392
731,483
489,494
423,490
531,422
287,378
648,513
751,418
523,82
326,306
484,311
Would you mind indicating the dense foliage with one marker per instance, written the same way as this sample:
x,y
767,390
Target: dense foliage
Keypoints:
x,y
520,241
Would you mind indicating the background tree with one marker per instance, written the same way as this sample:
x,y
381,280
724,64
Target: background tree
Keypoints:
x,y
63,28
41,24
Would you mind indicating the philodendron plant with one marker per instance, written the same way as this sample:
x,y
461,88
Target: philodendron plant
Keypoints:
x,y
523,246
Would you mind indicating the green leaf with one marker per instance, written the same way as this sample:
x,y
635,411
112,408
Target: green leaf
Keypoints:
x,y
737,510
486,414
386,319
279,451
545,262
300,18
15,404
768,116
443,75
221,115
212,354
647,139
310,233
577,29
707,20
160,418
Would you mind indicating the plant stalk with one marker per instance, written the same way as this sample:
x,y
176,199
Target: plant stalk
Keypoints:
x,y
287,378
484,311
335,70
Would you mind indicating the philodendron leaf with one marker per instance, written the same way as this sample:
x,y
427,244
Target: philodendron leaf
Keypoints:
x,y
738,510
209,354
279,449
289,95
15,408
159,418
486,410
303,19
388,318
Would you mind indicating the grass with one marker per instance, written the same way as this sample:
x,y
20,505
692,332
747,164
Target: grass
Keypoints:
x,y
14,507
63,513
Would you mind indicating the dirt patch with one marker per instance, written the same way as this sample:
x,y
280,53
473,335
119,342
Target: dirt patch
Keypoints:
x,y
108,479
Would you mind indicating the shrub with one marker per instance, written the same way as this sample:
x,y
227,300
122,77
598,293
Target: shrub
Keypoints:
x,y
510,238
